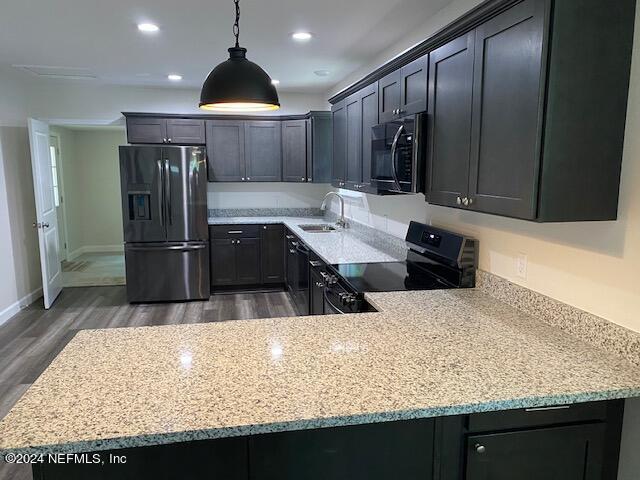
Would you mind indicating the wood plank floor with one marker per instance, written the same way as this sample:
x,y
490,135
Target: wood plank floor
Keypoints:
x,y
34,337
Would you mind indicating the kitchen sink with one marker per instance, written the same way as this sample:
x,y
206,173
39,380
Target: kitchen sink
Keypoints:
x,y
321,228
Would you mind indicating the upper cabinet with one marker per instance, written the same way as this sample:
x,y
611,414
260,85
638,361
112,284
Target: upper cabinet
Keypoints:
x,y
225,151
319,147
338,170
404,91
522,121
294,150
154,130
263,151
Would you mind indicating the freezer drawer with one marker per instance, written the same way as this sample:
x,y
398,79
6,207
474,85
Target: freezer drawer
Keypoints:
x,y
167,272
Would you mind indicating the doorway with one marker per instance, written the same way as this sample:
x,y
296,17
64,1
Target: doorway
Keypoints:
x,y
86,165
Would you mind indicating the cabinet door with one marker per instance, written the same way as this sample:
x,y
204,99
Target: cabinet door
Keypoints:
x,y
146,130
263,151
389,96
507,113
319,148
369,109
294,155
413,87
380,451
272,253
449,126
567,453
223,262
225,150
185,131
339,114
354,141
248,261
316,303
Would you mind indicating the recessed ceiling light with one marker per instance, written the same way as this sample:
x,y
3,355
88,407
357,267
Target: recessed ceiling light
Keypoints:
x,y
174,77
301,36
275,81
322,73
148,27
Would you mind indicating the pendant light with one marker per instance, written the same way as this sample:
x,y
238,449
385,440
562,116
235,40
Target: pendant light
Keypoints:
x,y
238,85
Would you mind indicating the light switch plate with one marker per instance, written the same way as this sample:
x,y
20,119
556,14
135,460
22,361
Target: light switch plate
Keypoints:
x,y
521,265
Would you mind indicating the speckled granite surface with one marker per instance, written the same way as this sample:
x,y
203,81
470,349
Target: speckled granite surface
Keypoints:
x,y
341,246
425,354
586,326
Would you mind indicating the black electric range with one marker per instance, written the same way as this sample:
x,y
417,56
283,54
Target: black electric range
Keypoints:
x,y
436,259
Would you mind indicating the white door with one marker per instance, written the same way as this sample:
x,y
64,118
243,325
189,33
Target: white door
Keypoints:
x,y
46,214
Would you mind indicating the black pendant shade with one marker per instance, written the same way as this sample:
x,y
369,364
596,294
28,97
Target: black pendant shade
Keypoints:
x,y
238,85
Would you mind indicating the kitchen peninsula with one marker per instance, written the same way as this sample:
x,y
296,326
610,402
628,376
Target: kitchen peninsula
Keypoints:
x,y
399,390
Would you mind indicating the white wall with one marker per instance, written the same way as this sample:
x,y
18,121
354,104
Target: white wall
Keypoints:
x,y
266,195
91,188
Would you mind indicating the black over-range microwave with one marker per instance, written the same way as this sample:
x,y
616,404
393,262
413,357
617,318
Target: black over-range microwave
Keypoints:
x,y
397,155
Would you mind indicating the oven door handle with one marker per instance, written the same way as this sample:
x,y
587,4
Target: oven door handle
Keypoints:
x,y
326,299
394,147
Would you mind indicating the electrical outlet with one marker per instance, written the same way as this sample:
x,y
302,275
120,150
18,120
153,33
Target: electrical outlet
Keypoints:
x,y
521,265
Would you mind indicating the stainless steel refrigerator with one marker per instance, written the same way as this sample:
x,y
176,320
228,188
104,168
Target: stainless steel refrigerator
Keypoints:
x,y
164,213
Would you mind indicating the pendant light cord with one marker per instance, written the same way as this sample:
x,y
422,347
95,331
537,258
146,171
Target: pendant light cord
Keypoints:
x,y
236,26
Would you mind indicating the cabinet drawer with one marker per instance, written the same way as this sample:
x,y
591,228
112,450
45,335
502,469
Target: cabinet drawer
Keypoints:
x,y
234,231
536,417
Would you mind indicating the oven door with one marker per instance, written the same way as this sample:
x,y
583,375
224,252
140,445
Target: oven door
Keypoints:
x,y
395,155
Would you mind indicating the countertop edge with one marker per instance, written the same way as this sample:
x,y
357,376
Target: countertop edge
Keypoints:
x,y
146,440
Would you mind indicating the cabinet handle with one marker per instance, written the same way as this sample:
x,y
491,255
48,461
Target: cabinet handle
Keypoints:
x,y
480,448
544,409
234,232
459,201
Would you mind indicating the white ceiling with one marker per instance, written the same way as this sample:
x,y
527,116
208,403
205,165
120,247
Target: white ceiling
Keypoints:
x,y
100,37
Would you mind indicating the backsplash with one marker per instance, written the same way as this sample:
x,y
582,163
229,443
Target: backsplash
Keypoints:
x,y
265,212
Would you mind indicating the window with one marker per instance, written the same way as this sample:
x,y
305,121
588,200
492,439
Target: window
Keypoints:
x,y
54,170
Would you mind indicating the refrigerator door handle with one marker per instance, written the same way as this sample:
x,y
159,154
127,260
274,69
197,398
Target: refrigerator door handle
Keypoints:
x,y
160,192
167,180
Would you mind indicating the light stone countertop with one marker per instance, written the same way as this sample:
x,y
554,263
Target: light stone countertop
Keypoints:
x,y
425,354
336,247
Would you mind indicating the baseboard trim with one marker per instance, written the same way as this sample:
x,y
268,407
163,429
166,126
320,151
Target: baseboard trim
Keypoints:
x,y
21,304
95,249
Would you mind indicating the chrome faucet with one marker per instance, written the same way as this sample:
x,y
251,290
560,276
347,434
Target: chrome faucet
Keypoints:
x,y
342,222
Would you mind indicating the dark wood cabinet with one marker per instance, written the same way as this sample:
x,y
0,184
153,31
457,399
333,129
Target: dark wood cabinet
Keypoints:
x,y
146,130
449,128
402,450
319,147
272,253
263,151
338,170
413,87
570,452
248,261
369,114
404,91
353,164
177,131
507,112
223,262
316,292
185,131
389,96
225,150
294,150
235,255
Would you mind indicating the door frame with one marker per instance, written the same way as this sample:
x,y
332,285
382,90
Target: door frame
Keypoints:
x,y
60,169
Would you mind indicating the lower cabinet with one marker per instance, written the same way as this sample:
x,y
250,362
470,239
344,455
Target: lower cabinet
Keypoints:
x,y
272,248
246,255
381,451
572,452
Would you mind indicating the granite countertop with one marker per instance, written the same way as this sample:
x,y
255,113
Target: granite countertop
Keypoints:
x,y
425,354
336,247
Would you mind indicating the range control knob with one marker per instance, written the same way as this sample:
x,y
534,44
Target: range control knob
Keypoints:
x,y
332,280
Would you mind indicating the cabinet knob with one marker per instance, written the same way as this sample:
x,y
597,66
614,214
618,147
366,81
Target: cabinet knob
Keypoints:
x,y
164,140
243,179
248,178
470,201
480,448
237,242
459,201
291,250
169,140
465,201
302,179
309,179
264,227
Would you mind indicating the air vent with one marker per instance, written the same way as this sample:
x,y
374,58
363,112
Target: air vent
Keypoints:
x,y
68,73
